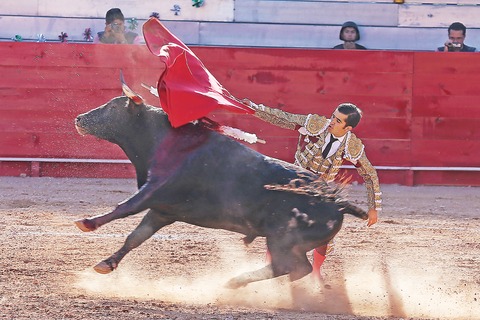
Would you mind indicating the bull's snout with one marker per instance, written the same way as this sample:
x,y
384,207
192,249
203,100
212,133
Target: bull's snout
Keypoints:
x,y
78,125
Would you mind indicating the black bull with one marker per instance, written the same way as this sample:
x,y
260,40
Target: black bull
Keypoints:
x,y
198,176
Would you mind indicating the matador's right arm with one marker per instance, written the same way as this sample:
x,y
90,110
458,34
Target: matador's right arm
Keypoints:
x,y
278,117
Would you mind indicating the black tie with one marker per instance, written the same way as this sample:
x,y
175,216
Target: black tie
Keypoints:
x,y
328,147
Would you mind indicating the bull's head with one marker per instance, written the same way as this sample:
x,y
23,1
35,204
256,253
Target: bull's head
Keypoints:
x,y
114,119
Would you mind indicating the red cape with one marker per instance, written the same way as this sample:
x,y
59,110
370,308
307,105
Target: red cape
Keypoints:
x,y
187,90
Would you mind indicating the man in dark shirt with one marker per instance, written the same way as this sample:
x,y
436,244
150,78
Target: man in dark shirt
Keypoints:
x,y
115,32
456,37
349,34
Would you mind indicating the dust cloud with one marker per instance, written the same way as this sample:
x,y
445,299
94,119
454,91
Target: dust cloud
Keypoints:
x,y
196,289
393,288
378,288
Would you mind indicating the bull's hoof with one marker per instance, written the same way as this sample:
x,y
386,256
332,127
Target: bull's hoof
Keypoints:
x,y
85,225
104,267
235,283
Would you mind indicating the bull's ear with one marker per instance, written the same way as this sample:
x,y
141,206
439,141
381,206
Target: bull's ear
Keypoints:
x,y
135,97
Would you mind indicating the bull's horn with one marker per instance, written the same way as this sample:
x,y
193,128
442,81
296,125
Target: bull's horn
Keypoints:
x,y
135,97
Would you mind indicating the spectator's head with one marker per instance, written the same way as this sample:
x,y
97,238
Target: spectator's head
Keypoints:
x,y
458,26
349,32
114,14
457,32
115,21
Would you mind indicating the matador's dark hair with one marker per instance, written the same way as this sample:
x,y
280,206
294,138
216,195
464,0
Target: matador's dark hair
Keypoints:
x,y
354,114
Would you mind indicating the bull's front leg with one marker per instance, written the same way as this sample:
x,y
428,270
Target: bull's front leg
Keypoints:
x,y
151,223
134,204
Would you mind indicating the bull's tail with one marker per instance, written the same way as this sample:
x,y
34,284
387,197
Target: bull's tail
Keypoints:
x,y
352,209
323,191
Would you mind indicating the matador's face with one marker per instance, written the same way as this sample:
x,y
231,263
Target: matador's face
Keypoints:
x,y
338,125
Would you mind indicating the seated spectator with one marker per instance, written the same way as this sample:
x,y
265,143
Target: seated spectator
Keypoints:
x,y
349,34
456,37
115,31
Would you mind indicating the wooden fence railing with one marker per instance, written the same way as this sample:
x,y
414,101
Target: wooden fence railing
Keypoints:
x,y
420,121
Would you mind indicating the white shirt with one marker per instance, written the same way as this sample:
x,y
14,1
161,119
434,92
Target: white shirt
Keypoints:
x,y
335,145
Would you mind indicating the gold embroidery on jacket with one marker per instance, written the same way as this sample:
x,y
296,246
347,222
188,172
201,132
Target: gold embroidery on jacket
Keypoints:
x,y
281,118
316,124
310,156
354,147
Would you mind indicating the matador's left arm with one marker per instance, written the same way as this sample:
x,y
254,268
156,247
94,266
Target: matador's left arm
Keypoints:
x,y
369,175
355,153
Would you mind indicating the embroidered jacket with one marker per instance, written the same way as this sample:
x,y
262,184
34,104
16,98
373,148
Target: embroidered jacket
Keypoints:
x,y
309,149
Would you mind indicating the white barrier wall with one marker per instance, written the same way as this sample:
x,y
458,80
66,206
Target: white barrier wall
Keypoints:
x,y
414,25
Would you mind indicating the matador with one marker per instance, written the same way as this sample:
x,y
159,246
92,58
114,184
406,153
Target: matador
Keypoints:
x,y
323,145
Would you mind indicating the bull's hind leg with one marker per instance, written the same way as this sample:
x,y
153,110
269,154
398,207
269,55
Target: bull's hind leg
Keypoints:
x,y
252,276
301,267
151,223
293,262
285,259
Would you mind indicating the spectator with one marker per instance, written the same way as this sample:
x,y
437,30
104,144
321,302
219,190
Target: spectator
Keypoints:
x,y
115,31
456,37
349,34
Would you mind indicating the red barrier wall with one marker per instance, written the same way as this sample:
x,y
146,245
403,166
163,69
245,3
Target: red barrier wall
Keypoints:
x,y
420,114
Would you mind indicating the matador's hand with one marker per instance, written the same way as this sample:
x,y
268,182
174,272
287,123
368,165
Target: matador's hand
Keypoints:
x,y
250,103
372,217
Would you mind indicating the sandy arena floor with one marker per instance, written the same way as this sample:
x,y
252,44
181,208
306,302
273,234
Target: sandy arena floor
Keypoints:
x,y
421,261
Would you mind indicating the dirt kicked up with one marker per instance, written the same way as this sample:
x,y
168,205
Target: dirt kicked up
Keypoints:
x,y
421,261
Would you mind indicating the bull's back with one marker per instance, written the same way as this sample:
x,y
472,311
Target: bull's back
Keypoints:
x,y
226,167
222,185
